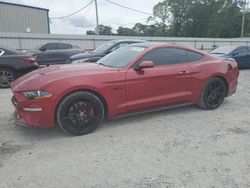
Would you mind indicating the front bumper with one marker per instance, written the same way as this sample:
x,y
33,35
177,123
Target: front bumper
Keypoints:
x,y
232,88
33,113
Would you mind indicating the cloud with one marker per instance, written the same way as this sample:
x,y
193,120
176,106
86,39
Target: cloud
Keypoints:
x,y
109,14
65,27
80,22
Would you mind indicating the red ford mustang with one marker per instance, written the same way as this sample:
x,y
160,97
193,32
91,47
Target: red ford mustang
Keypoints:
x,y
135,78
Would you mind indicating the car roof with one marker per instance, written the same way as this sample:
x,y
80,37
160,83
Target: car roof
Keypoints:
x,y
56,43
233,45
164,44
151,44
227,49
161,44
129,40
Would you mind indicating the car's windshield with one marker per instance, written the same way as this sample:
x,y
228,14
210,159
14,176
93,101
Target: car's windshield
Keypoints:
x,y
104,47
121,57
223,50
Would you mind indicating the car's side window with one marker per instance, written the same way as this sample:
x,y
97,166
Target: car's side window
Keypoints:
x,y
63,46
193,56
50,46
1,52
242,50
165,56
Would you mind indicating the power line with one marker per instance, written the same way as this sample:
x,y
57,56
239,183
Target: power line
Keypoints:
x,y
63,17
123,6
87,10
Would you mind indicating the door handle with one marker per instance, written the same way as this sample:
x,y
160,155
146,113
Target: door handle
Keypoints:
x,y
183,72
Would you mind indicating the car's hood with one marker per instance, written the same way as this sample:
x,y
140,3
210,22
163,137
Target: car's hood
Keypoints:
x,y
84,55
30,52
44,76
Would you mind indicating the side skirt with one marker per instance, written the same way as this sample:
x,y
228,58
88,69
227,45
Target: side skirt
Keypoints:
x,y
152,110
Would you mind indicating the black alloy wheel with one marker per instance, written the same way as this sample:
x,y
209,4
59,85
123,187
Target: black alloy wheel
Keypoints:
x,y
80,113
7,76
213,94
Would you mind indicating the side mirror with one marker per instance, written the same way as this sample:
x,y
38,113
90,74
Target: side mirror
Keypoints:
x,y
43,49
145,65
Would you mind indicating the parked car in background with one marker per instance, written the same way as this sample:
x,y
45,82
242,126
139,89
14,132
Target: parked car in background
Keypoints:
x,y
101,51
14,64
241,54
138,77
54,53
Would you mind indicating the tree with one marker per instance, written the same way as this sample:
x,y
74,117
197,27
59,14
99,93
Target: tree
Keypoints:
x,y
89,32
201,18
139,29
123,31
247,25
161,10
226,23
189,18
198,17
103,30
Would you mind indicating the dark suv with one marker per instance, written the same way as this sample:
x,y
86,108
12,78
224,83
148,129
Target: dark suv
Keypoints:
x,y
101,51
54,53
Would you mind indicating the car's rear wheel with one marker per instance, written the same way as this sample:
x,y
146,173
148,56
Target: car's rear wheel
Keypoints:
x,y
7,76
80,113
213,94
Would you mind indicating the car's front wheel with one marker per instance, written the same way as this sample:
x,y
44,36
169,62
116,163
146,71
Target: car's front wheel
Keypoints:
x,y
80,113
213,94
7,76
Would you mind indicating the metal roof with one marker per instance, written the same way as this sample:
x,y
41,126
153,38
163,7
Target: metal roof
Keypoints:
x,y
25,6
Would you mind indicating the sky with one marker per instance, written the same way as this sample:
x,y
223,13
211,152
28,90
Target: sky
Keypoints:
x,y
79,23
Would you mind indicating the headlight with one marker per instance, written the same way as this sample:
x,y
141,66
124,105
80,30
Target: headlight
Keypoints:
x,y
79,61
37,94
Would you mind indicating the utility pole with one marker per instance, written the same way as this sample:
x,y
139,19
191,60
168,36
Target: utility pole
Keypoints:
x,y
97,18
245,10
243,24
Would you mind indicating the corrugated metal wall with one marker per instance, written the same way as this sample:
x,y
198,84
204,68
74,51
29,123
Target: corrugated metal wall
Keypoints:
x,y
29,41
15,18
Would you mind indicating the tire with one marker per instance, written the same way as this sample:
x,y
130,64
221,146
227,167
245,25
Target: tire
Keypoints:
x,y
80,113
7,76
213,94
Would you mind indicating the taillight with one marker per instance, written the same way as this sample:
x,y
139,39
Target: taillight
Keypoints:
x,y
28,59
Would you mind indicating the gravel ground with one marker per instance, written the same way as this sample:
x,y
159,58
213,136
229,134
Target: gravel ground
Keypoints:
x,y
183,147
